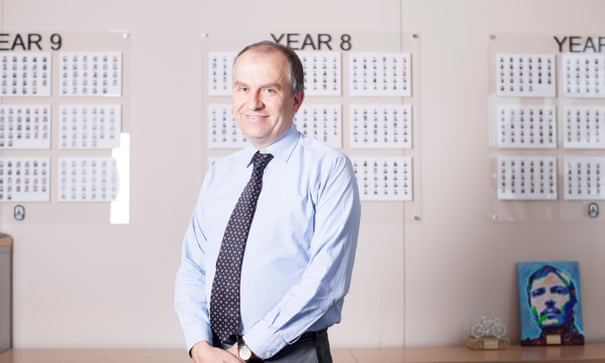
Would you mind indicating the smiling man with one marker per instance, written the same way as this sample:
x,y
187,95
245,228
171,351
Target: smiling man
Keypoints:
x,y
264,272
264,97
552,298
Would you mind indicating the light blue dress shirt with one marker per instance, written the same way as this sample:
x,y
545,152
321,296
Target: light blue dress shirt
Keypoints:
x,y
300,251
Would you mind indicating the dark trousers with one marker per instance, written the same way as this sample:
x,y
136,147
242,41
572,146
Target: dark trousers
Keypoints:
x,y
311,347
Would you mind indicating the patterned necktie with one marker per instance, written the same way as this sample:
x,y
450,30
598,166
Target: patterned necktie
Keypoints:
x,y
225,294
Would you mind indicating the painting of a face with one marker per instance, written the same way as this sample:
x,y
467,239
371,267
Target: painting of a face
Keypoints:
x,y
551,301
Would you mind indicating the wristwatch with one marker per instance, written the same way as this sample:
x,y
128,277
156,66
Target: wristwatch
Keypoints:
x,y
243,350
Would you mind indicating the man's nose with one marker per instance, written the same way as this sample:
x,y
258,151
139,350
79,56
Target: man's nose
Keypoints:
x,y
255,102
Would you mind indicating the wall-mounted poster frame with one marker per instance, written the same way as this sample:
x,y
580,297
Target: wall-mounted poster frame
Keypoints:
x,y
65,96
546,127
362,95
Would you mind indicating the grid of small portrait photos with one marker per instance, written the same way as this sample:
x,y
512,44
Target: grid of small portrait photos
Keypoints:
x,y
93,179
529,127
220,73
223,131
380,74
322,73
90,74
583,178
334,105
24,179
384,178
529,178
90,126
381,126
322,122
584,127
36,119
561,136
525,75
25,127
25,74
583,75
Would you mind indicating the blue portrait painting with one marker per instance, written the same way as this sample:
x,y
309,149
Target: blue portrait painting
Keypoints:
x,y
550,304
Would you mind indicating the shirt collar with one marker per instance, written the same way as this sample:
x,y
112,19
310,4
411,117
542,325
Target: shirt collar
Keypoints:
x,y
281,149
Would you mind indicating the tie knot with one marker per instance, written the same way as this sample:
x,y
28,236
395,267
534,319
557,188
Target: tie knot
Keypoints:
x,y
261,160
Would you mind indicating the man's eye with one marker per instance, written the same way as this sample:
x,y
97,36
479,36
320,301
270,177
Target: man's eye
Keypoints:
x,y
538,292
559,290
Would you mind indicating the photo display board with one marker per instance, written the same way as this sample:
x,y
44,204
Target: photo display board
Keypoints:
x,y
64,102
547,127
361,96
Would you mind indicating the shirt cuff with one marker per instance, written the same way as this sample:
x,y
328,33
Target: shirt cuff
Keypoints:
x,y
195,335
264,340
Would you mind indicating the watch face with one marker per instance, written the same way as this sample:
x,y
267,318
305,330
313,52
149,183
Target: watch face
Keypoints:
x,y
244,352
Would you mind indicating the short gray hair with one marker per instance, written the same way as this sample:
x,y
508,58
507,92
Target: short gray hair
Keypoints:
x,y
296,76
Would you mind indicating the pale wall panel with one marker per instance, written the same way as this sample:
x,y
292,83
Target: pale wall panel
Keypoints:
x,y
422,283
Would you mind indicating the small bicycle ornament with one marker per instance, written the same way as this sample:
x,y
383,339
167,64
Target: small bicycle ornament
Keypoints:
x,y
488,327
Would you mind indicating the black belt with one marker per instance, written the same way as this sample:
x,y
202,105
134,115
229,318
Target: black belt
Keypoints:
x,y
309,336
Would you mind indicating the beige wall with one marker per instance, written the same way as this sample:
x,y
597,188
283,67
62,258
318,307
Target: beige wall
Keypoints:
x,y
416,283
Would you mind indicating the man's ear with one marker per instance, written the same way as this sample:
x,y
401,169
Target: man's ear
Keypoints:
x,y
298,100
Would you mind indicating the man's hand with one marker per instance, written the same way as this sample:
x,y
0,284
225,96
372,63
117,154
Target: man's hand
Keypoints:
x,y
203,352
234,352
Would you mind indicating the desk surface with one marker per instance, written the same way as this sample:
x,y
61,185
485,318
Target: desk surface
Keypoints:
x,y
588,353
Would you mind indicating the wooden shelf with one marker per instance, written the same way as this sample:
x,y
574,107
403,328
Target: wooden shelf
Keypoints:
x,y
585,353
590,353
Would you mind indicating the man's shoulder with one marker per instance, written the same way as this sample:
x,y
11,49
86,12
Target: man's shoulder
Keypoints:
x,y
316,147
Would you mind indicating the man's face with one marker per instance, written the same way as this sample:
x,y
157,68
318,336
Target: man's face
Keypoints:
x,y
263,104
551,301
